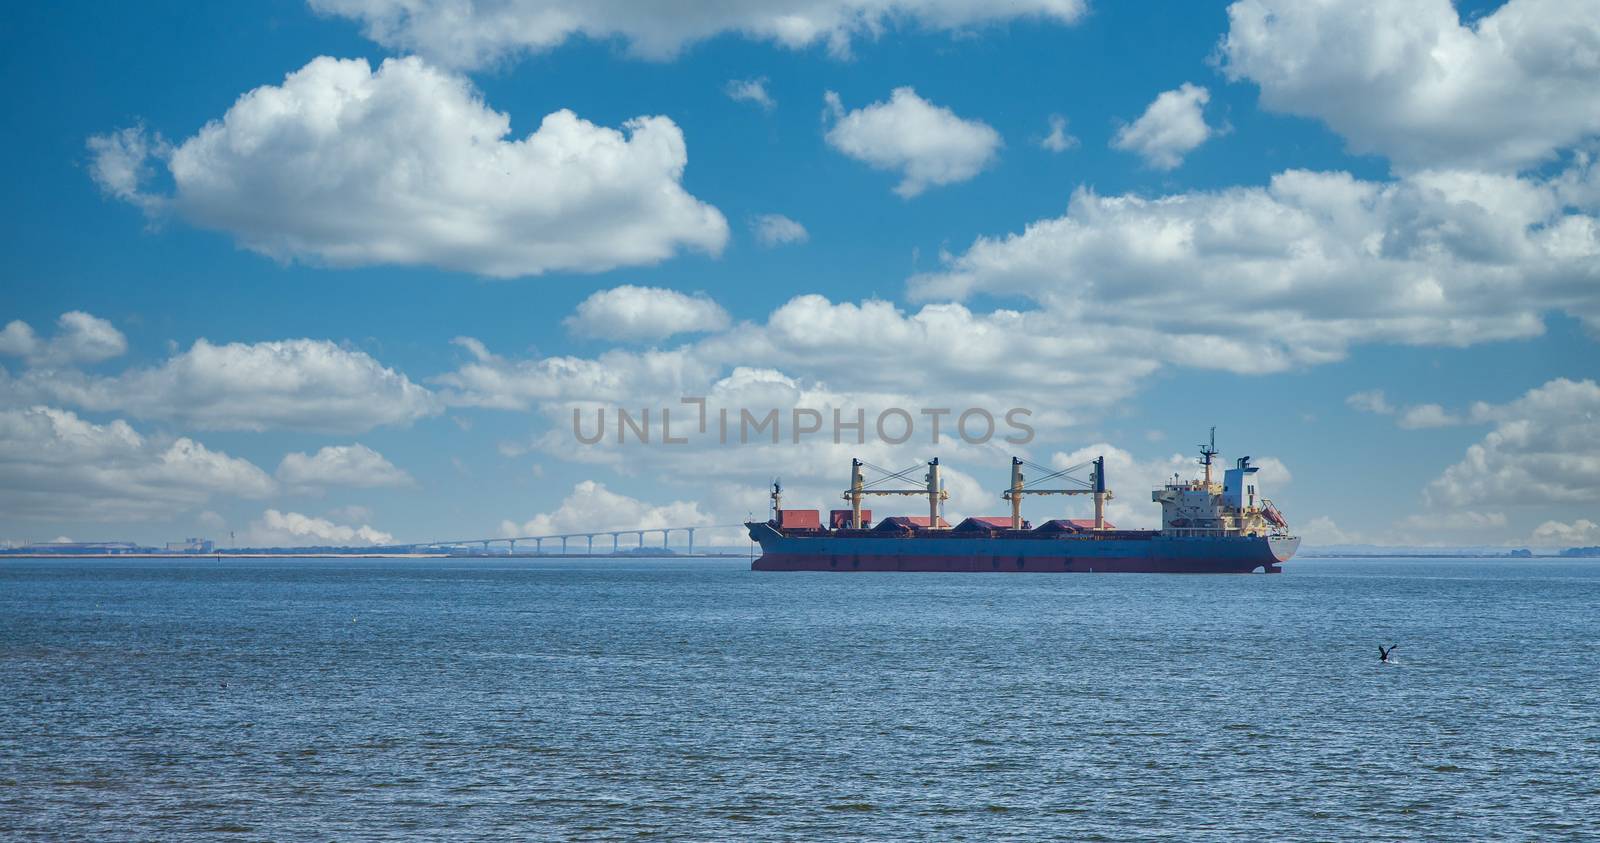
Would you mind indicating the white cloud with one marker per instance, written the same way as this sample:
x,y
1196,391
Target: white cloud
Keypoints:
x,y
1322,530
292,529
644,313
928,144
812,349
1261,279
1425,416
1580,533
778,230
341,465
752,91
481,33
591,506
1412,417
1058,140
1172,126
1371,401
1453,523
1544,449
489,380
407,166
1409,81
54,464
80,338
119,162
303,384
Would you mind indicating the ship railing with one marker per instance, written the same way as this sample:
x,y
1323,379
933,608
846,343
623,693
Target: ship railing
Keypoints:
x,y
1198,532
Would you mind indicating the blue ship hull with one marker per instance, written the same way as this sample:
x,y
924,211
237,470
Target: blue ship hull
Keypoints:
x,y
1118,551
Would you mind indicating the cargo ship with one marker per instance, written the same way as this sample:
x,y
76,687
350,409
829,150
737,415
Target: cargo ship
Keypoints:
x,y
1206,527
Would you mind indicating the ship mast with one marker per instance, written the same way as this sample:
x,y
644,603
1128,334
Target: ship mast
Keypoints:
x,y
1206,453
1016,493
854,495
1100,493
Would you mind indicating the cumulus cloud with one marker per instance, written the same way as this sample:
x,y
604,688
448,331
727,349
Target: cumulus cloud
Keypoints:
x,y
751,91
1255,279
1172,126
1371,401
1322,530
1058,140
474,34
54,464
1579,533
80,338
119,162
345,166
341,465
1425,416
778,230
1544,449
812,346
1454,523
591,506
490,380
928,144
644,313
302,384
1412,82
1411,417
292,529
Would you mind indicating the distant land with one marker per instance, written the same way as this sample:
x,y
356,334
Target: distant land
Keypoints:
x,y
200,548
1356,551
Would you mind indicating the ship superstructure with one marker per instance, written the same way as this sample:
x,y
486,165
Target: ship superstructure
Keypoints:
x,y
1206,527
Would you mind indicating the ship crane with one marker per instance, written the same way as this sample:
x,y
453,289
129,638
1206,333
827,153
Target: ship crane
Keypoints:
x,y
1095,485
933,489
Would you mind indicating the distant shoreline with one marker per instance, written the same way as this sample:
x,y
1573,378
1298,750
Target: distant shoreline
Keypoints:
x,y
292,555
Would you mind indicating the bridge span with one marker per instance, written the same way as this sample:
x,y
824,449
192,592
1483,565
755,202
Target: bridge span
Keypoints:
x,y
511,542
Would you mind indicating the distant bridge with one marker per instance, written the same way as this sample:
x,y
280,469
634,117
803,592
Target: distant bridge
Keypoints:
x,y
564,538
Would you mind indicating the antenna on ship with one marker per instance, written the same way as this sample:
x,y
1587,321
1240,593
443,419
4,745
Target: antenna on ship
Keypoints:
x,y
777,497
1207,452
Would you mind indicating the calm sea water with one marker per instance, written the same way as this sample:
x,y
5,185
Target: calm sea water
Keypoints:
x,y
313,699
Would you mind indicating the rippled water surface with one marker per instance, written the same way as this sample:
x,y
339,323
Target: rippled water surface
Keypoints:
x,y
693,699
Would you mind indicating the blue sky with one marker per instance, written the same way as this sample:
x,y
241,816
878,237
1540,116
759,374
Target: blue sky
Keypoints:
x,y
334,316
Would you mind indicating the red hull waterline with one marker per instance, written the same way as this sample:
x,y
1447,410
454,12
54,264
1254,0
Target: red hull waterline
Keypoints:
x,y
986,564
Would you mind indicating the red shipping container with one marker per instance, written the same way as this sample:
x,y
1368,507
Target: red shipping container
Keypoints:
x,y
799,519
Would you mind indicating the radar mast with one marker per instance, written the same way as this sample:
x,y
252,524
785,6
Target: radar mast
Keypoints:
x,y
1207,452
